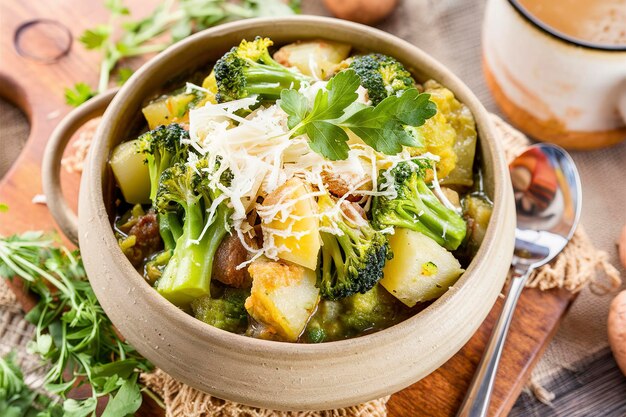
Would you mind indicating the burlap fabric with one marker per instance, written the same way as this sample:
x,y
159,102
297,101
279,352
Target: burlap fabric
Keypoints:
x,y
183,401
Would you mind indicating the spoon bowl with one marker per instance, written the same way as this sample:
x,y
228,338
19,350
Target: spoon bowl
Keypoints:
x,y
547,192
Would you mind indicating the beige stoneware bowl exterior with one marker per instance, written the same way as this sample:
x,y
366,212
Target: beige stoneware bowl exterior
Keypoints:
x,y
272,374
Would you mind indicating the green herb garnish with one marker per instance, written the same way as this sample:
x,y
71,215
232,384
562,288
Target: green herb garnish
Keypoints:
x,y
17,399
73,334
336,111
77,95
169,22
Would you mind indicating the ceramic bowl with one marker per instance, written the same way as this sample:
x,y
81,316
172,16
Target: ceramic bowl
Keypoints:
x,y
258,372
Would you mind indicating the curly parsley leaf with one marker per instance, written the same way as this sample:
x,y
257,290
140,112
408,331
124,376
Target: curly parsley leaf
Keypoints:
x,y
79,94
385,127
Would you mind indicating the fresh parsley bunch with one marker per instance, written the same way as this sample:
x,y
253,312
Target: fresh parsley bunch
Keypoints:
x,y
169,22
17,399
335,111
73,334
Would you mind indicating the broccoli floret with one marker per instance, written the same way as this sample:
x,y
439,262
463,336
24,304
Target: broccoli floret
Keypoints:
x,y
381,75
226,312
162,148
417,208
249,69
352,260
188,272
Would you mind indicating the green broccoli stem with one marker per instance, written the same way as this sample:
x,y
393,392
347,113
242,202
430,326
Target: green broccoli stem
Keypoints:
x,y
170,229
424,213
187,276
156,165
268,81
331,254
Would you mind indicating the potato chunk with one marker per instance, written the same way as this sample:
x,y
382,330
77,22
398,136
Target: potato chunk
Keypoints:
x,y
131,173
167,110
290,223
420,270
283,297
318,58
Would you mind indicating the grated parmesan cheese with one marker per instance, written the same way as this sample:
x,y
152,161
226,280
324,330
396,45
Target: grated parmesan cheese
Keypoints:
x,y
261,155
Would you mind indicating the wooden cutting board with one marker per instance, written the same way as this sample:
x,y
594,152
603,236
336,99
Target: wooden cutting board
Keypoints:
x,y
37,88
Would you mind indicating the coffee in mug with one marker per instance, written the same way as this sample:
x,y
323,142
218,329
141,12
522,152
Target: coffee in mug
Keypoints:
x,y
557,68
596,22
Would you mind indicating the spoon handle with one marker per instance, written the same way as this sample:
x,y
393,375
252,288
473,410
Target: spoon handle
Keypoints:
x,y
476,402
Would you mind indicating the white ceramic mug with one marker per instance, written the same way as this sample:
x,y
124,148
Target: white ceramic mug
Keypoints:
x,y
551,86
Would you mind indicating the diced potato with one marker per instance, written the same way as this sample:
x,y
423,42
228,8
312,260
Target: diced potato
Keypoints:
x,y
477,211
167,110
290,223
420,270
283,297
318,58
131,173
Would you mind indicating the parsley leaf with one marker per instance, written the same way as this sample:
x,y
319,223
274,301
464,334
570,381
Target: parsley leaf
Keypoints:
x,y
330,140
123,74
339,93
295,105
73,333
17,399
383,127
177,19
116,6
386,127
79,94
126,401
95,38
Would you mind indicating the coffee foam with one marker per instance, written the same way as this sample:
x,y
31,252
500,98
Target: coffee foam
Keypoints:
x,y
610,29
601,22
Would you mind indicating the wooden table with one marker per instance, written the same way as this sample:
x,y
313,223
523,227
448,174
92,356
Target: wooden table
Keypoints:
x,y
38,89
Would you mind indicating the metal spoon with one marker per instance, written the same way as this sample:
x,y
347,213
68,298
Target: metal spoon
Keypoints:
x,y
547,198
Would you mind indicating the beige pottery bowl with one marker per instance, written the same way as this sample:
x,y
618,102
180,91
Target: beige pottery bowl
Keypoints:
x,y
257,372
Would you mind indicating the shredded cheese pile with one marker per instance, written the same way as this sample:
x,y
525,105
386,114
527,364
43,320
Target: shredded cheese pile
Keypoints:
x,y
261,154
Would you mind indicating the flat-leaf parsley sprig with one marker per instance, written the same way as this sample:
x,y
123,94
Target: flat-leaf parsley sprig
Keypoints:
x,y
73,334
174,19
17,399
335,110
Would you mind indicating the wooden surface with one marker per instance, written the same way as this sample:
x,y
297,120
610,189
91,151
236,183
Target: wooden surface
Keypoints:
x,y
38,89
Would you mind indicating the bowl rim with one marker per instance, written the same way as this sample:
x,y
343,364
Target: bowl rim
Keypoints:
x,y
99,153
